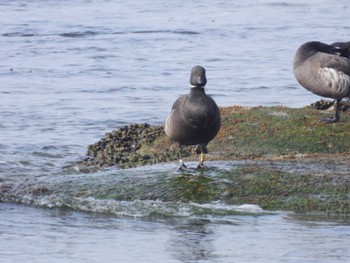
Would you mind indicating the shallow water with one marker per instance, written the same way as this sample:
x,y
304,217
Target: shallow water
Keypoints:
x,y
72,71
42,235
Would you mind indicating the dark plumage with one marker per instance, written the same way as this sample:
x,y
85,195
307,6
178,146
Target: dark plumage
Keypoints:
x,y
324,70
344,48
195,118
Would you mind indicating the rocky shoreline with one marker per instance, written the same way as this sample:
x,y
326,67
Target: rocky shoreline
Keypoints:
x,y
303,163
246,133
276,157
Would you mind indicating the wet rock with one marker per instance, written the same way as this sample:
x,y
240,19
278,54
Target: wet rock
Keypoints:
x,y
322,104
131,146
327,104
246,133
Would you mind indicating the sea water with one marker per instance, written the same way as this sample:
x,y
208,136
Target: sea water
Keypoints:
x,y
73,70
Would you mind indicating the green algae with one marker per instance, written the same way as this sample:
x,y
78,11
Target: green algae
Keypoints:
x,y
263,131
275,189
317,184
304,185
245,133
284,159
194,188
271,134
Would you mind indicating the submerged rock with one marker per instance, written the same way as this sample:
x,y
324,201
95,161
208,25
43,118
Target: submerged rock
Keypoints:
x,y
314,184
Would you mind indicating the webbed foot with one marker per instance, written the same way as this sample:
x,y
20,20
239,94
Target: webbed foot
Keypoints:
x,y
202,167
336,117
330,120
183,167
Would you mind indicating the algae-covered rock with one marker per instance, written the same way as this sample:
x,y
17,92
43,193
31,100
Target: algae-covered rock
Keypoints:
x,y
314,184
133,145
279,131
121,147
255,132
276,157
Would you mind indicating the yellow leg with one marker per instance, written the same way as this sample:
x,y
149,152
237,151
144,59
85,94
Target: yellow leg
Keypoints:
x,y
202,158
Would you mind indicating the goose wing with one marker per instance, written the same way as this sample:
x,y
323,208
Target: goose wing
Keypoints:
x,y
330,61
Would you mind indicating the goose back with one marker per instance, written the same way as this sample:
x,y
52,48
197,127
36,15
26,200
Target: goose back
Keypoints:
x,y
319,69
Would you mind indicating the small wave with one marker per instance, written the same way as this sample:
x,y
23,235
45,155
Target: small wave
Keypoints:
x,y
137,208
3,146
182,32
87,33
46,154
79,34
286,4
223,208
49,147
18,34
185,32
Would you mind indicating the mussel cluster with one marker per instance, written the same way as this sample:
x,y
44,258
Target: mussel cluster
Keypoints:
x,y
326,104
125,146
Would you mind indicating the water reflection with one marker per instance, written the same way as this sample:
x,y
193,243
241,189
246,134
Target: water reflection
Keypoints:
x,y
192,241
35,235
321,218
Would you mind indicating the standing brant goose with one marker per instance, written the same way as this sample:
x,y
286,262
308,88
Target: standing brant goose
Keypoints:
x,y
195,118
324,70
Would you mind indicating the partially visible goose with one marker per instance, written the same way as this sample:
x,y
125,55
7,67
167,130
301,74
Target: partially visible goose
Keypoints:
x,y
195,118
344,48
324,70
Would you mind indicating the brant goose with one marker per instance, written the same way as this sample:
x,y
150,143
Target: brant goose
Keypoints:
x,y
195,118
324,70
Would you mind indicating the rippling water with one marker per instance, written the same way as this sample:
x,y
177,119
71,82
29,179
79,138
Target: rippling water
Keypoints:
x,y
73,70
32,235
